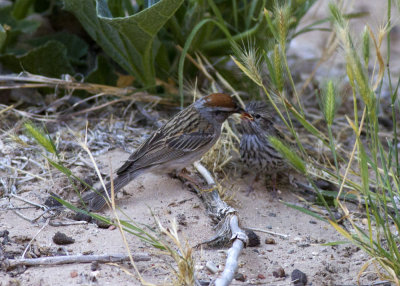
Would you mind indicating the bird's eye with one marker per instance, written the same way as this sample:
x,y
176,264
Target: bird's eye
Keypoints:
x,y
257,116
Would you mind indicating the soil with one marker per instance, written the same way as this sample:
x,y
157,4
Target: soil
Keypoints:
x,y
169,200
303,249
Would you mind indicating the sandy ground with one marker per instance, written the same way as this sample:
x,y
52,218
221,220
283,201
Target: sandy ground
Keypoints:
x,y
169,200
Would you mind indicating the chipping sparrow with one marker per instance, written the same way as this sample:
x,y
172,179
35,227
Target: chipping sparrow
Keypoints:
x,y
255,149
180,142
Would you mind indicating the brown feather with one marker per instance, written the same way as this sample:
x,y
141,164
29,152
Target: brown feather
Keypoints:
x,y
221,100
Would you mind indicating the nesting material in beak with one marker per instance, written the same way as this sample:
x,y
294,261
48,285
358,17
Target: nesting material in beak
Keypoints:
x,y
246,116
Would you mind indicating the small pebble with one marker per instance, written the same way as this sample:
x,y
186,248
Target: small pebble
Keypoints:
x,y
94,266
82,217
211,267
93,276
260,276
240,277
337,215
272,214
254,239
291,251
313,222
102,224
269,227
270,241
62,239
279,273
298,278
73,274
181,219
325,185
51,202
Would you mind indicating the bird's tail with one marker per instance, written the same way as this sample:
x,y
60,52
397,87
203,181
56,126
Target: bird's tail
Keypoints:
x,y
96,200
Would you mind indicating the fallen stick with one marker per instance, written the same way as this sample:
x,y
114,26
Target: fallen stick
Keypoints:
x,y
56,260
269,232
228,224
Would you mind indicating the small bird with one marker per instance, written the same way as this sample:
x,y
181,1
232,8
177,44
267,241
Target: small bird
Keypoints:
x,y
256,151
180,142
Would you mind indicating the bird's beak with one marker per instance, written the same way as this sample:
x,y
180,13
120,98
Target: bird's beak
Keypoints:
x,y
246,116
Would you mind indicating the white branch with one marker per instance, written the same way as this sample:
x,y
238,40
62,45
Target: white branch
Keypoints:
x,y
224,212
239,239
204,172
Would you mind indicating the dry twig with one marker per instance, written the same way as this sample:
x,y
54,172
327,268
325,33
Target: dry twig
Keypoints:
x,y
104,258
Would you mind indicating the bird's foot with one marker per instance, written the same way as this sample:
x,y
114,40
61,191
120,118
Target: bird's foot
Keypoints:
x,y
293,181
274,190
187,179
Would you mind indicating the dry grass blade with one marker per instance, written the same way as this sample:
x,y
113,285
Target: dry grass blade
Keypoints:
x,y
184,275
28,80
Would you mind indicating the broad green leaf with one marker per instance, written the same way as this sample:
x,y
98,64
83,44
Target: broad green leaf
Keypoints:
x,y
130,41
76,47
48,60
14,27
103,73
21,8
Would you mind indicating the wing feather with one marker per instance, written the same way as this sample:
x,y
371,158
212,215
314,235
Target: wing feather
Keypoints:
x,y
159,149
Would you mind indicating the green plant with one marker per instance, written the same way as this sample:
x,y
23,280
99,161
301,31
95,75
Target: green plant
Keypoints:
x,y
149,41
373,162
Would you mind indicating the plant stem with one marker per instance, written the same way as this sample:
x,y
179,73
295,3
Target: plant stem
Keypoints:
x,y
221,43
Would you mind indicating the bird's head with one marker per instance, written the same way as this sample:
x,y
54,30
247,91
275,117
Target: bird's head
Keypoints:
x,y
256,117
217,106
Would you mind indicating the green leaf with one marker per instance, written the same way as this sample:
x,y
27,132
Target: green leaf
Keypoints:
x,y
334,243
76,47
14,27
130,41
288,154
305,211
130,228
103,73
21,8
60,167
48,60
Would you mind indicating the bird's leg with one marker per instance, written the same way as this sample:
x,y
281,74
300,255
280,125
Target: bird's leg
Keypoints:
x,y
292,181
274,179
253,179
274,192
184,175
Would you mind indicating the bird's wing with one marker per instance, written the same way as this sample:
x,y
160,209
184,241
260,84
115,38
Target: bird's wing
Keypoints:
x,y
159,149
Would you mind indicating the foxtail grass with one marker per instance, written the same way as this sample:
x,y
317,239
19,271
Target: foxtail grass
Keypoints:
x,y
370,171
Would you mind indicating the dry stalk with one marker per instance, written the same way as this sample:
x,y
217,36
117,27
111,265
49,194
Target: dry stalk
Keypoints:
x,y
28,80
12,263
